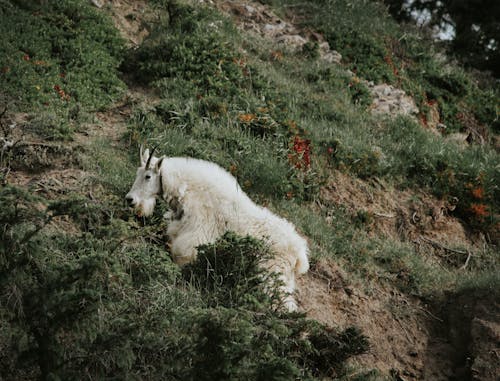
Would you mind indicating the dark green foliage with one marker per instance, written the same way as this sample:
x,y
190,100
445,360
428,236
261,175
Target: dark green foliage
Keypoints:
x,y
349,28
401,149
190,46
192,58
43,299
87,290
476,27
328,79
80,304
279,345
383,51
55,55
310,50
471,175
330,348
229,273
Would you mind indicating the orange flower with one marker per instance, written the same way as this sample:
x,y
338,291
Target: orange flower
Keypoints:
x,y
246,118
277,55
479,210
478,193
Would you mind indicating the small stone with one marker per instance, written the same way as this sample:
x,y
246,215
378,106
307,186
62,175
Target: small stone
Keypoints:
x,y
96,3
332,57
292,40
250,10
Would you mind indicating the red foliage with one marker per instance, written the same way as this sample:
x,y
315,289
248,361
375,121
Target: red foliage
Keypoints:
x,y
423,119
480,211
478,193
388,60
301,156
61,92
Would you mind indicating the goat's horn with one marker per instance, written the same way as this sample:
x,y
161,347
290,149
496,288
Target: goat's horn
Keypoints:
x,y
150,157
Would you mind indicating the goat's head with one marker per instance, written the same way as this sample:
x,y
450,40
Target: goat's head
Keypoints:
x,y
147,184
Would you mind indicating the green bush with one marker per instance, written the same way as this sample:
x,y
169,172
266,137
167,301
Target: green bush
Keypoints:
x,y
190,45
82,303
469,174
58,54
228,274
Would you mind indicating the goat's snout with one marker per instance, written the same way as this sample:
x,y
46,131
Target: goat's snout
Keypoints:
x,y
130,200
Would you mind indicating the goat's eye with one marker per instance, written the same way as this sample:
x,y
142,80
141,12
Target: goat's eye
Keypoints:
x,y
148,177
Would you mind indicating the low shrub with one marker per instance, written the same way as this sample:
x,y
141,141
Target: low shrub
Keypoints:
x,y
118,308
58,55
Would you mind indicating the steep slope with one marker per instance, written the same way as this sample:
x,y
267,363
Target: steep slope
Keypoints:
x,y
276,106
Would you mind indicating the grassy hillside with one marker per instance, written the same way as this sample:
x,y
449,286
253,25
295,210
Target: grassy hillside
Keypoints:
x,y
89,290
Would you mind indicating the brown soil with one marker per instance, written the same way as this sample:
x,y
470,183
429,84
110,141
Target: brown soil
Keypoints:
x,y
405,215
396,325
129,17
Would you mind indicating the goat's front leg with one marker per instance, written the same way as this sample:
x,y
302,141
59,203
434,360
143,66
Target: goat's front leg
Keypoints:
x,y
183,248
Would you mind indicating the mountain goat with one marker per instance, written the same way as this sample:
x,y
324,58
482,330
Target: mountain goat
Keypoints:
x,y
206,201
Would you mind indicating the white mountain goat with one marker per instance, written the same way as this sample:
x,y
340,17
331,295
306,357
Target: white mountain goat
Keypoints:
x,y
206,202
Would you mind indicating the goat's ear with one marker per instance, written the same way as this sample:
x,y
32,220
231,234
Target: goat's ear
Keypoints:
x,y
159,163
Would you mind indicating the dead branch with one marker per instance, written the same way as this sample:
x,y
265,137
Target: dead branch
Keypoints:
x,y
430,314
415,218
383,215
442,247
469,256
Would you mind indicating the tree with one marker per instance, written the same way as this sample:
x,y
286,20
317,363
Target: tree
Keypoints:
x,y
476,25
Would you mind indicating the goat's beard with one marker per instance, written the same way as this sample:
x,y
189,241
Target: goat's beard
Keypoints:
x,y
146,207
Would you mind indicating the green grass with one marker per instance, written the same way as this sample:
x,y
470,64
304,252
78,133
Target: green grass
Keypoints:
x,y
116,306
56,58
383,51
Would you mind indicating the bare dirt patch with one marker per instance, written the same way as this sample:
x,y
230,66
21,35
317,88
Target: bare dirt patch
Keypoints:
x,y
405,215
129,17
395,325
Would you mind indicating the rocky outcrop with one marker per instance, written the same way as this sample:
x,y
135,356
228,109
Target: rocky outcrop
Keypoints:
x,y
258,18
390,100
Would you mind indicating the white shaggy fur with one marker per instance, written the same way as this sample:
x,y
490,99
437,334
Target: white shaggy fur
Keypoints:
x,y
212,203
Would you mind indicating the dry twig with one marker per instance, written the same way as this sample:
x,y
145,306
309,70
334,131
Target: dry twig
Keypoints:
x,y
442,247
